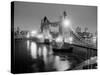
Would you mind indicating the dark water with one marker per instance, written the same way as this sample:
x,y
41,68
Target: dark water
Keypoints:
x,y
36,57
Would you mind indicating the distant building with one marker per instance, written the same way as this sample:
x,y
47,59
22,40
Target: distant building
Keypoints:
x,y
85,35
18,33
23,33
78,29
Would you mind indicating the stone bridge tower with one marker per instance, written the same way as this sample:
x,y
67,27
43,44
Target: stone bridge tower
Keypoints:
x,y
52,28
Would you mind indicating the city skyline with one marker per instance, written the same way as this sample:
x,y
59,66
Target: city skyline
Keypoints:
x,y
28,16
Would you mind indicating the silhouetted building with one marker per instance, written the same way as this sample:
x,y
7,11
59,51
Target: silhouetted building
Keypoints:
x,y
78,29
85,35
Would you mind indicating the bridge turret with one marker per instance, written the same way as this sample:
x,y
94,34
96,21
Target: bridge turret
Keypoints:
x,y
64,14
44,23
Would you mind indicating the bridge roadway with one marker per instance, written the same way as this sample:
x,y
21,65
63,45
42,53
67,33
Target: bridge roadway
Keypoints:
x,y
85,52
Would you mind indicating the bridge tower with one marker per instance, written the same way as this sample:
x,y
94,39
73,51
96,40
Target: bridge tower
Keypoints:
x,y
64,14
53,28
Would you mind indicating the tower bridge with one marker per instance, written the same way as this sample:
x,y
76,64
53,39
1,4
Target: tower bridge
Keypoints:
x,y
62,37
65,38
56,29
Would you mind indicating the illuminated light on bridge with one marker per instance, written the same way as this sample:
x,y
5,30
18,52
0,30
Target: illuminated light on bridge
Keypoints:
x,y
40,36
70,40
48,36
59,39
66,22
33,32
94,39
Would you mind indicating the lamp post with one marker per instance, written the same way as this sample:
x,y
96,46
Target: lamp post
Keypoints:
x,y
66,23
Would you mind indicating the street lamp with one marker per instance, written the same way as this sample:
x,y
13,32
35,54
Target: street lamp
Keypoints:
x,y
66,22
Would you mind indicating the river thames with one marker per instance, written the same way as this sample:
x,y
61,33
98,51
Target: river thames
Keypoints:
x,y
33,57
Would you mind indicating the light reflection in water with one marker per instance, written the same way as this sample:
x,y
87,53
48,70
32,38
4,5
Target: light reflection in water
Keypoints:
x,y
28,44
33,50
39,51
46,54
61,65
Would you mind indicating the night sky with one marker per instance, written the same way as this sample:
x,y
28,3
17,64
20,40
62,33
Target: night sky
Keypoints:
x,y
28,15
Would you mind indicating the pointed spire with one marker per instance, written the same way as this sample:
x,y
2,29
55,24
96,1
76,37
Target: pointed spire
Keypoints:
x,y
46,20
64,14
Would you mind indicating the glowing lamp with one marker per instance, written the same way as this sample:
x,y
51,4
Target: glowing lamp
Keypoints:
x,y
33,33
59,39
39,36
66,23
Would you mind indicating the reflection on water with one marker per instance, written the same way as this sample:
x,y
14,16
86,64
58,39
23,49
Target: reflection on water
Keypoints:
x,y
38,57
61,65
40,51
28,44
33,50
45,53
